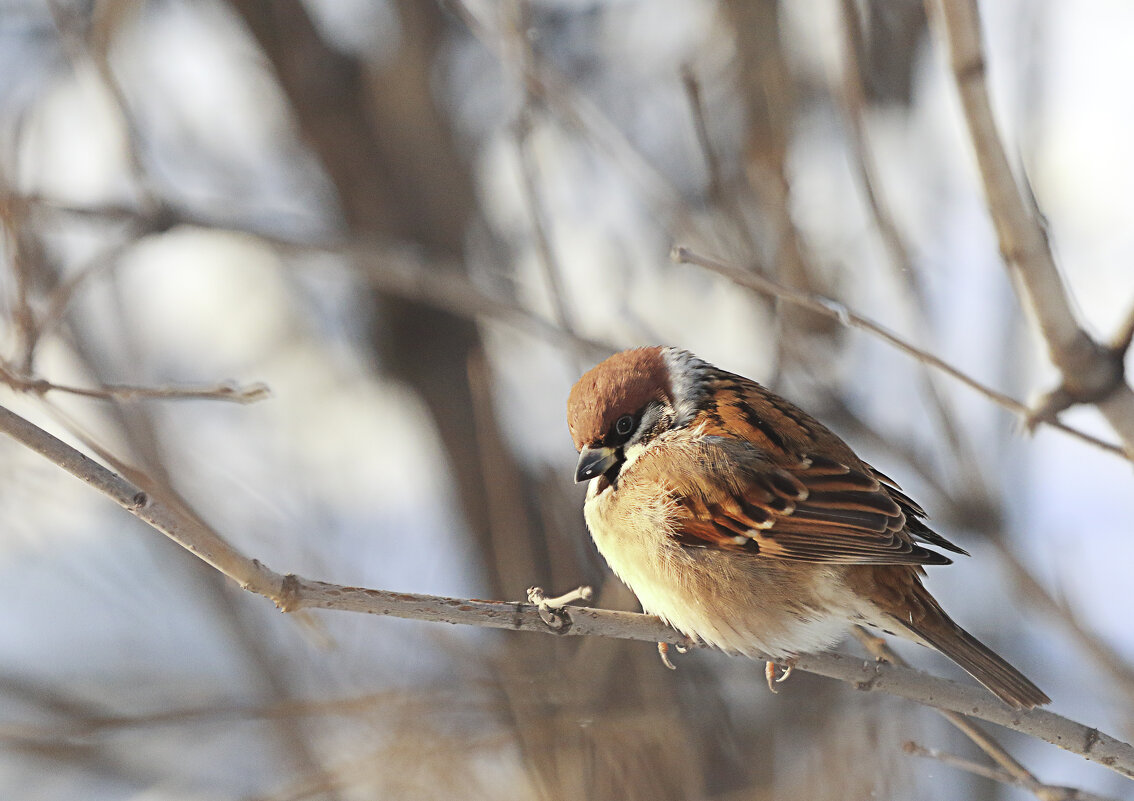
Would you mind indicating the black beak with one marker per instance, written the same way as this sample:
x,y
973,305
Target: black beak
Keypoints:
x,y
594,462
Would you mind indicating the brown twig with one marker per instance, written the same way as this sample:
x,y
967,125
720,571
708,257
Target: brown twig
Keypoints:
x,y
853,101
292,593
388,268
580,114
697,109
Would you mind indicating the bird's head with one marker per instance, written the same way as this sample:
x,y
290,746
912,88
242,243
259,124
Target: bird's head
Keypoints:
x,y
628,400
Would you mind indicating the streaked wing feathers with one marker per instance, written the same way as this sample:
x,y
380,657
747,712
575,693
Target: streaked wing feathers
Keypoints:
x,y
813,510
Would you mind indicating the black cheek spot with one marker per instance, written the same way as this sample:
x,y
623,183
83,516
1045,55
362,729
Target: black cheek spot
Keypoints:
x,y
610,477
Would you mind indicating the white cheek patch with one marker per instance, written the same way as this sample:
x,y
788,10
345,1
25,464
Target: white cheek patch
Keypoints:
x,y
632,453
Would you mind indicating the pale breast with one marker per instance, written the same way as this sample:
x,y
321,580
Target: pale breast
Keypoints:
x,y
736,601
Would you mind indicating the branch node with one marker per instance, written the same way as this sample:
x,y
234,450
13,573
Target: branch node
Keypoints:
x,y
1091,741
288,600
552,611
679,254
866,685
1108,376
973,69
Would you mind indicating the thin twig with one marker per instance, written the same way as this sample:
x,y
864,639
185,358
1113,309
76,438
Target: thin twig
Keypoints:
x,y
226,391
402,274
1047,607
853,100
982,739
12,214
395,270
292,593
79,50
700,126
529,169
853,97
838,311
581,114
998,774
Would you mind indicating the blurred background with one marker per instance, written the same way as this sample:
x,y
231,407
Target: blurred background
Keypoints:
x,y
417,223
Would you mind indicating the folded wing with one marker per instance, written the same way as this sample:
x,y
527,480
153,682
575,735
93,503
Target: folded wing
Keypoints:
x,y
812,509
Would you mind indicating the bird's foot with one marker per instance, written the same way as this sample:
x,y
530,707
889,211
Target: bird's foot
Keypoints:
x,y
770,669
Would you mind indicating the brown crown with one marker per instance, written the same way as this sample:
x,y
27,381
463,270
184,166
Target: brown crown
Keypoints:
x,y
623,384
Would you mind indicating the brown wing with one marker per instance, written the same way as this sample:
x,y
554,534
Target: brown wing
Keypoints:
x,y
732,496
915,515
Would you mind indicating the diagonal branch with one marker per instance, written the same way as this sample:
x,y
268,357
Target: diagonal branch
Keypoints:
x,y
1008,766
1049,792
838,311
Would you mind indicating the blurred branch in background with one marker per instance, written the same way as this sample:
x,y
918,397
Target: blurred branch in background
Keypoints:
x,y
416,222
837,311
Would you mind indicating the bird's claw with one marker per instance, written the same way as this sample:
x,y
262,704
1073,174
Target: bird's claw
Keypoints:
x,y
680,647
770,669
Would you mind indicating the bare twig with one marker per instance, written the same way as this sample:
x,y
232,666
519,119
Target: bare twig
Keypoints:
x,y
838,311
1047,606
529,170
697,108
12,214
226,391
1008,764
292,593
391,269
79,50
403,274
853,98
967,765
580,114
998,774
1092,372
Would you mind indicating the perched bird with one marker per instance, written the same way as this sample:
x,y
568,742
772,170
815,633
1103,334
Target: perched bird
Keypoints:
x,y
745,523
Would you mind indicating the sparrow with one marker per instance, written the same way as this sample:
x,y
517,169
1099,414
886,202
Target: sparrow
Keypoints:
x,y
746,524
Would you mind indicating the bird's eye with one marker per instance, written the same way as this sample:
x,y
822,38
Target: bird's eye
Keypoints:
x,y
624,425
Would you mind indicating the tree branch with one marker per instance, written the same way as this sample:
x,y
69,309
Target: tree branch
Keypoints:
x,y
292,593
838,311
224,391
1007,765
1092,372
1045,792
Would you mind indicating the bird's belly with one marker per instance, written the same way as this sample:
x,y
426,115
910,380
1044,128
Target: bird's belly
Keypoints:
x,y
734,601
